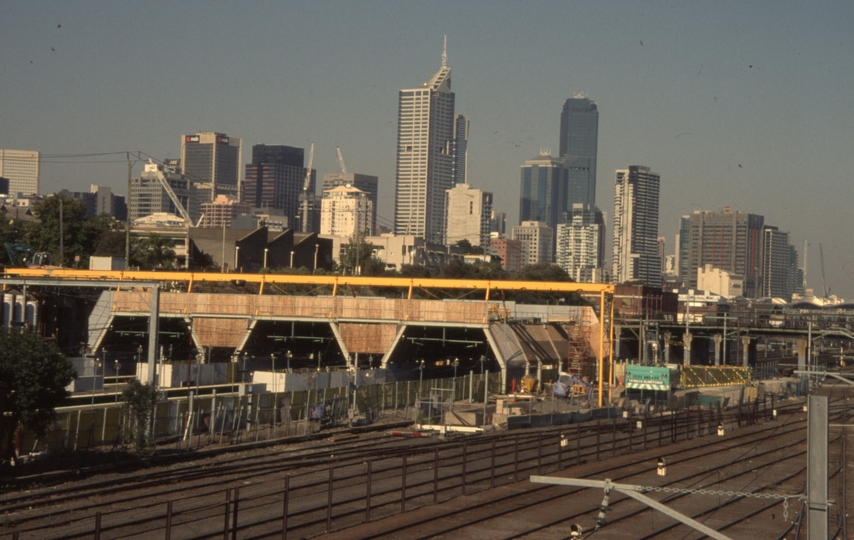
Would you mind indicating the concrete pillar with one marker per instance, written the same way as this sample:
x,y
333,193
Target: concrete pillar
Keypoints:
x,y
667,338
686,339
718,338
802,353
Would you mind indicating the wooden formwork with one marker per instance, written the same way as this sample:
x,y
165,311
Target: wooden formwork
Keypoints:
x,y
320,307
368,338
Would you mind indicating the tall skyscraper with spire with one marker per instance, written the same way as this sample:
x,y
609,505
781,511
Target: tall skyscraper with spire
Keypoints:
x,y
425,158
579,137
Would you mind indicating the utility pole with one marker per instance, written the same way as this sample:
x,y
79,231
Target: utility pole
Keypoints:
x,y
131,163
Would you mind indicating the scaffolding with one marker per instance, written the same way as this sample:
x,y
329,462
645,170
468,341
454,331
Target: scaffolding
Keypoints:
x,y
579,350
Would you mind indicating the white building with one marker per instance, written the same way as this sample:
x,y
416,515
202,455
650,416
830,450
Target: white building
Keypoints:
x,y
581,244
21,168
719,282
425,135
536,239
346,211
467,213
635,248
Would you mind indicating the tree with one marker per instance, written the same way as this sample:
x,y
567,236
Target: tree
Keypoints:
x,y
35,374
545,272
66,229
359,253
469,249
153,252
138,402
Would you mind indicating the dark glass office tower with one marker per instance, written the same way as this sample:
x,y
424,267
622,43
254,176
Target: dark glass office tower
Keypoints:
x,y
275,179
579,136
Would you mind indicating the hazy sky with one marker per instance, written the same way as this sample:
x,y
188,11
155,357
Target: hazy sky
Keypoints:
x,y
746,104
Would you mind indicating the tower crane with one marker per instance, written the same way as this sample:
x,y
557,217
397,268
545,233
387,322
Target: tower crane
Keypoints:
x,y
305,193
341,161
153,167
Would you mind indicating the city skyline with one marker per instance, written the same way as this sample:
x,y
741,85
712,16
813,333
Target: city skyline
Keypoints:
x,y
723,102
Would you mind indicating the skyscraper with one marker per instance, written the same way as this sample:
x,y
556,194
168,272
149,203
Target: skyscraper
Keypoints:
x,y
779,264
275,179
21,168
425,131
459,148
346,212
212,161
543,190
635,248
579,136
730,241
148,197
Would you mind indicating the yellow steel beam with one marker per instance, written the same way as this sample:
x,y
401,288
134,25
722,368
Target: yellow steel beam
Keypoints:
x,y
332,280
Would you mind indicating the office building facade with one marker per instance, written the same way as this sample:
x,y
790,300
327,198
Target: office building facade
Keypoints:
x,y
537,240
730,241
425,164
213,161
459,149
779,264
634,255
467,213
147,195
543,190
100,200
276,181
579,141
581,243
21,168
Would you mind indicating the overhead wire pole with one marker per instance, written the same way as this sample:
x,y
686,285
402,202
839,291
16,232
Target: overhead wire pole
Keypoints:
x,y
127,201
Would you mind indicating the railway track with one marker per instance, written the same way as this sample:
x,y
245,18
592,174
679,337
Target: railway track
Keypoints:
x,y
181,502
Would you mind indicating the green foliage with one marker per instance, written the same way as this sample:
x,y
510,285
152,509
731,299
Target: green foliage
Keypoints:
x,y
153,252
138,401
469,249
544,272
35,374
360,253
77,239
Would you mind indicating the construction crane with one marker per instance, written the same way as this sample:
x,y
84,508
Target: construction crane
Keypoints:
x,y
823,278
153,167
305,194
341,161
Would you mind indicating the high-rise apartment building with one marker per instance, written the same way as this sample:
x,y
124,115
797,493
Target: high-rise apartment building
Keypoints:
x,y
346,211
275,179
537,241
368,184
579,140
213,161
21,168
467,213
425,164
581,243
635,248
543,190
730,241
779,264
459,149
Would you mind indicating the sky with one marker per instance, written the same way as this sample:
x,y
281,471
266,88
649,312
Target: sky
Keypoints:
x,y
740,104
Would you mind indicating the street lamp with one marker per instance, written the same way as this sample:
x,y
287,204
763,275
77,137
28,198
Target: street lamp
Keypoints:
x,y
289,360
236,257
265,256
316,249
292,258
421,375
456,364
95,365
117,379
275,381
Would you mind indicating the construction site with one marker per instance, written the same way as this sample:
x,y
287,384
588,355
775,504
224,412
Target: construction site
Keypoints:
x,y
255,361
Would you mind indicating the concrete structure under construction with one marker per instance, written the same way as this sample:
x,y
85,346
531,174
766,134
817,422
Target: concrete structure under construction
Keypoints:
x,y
222,211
